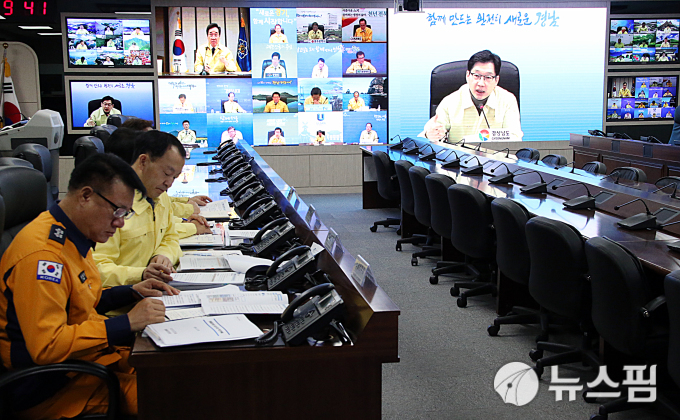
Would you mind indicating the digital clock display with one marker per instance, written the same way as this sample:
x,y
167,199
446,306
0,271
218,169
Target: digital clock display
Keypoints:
x,y
20,10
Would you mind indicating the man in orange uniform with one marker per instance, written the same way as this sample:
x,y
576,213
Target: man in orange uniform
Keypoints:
x,y
52,296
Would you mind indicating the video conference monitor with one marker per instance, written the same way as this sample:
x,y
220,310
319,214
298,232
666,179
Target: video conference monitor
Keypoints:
x,y
642,98
133,96
306,67
644,41
107,43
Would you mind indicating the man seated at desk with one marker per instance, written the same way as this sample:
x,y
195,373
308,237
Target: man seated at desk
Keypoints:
x,y
361,65
320,71
315,33
278,37
275,69
148,245
368,135
315,98
624,92
231,134
100,115
231,106
183,106
276,104
277,138
213,57
52,297
466,111
364,32
356,103
187,136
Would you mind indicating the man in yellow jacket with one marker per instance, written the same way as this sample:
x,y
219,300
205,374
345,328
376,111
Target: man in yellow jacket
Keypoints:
x,y
148,245
214,57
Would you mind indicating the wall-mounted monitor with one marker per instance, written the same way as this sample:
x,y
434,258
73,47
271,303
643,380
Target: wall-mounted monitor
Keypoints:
x,y
90,99
107,43
642,98
644,41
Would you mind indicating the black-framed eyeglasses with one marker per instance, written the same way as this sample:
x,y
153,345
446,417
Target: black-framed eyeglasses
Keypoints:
x,y
478,77
118,211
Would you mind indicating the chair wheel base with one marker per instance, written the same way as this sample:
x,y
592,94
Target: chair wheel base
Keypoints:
x,y
434,279
542,337
414,261
493,330
598,417
398,247
399,231
538,370
461,302
455,291
374,228
536,354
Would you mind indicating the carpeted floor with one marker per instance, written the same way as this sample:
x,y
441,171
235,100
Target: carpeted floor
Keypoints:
x,y
448,361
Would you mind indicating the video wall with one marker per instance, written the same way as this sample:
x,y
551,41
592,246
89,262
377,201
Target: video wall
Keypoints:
x,y
642,98
644,41
108,43
316,76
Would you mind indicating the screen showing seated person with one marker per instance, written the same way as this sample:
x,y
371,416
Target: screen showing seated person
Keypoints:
x,y
643,41
303,67
642,98
108,43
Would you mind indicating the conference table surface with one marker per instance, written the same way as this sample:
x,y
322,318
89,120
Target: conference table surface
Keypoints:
x,y
245,381
650,245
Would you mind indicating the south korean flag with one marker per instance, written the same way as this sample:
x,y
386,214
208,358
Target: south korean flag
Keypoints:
x,y
50,271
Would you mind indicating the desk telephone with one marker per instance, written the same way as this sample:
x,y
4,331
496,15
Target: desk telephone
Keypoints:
x,y
272,236
290,268
241,180
310,314
230,161
247,195
221,153
258,214
236,169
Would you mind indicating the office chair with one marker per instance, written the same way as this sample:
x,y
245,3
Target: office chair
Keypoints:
x,y
449,77
85,147
628,172
267,63
512,256
437,187
117,120
41,159
103,132
10,161
407,202
175,133
423,213
557,281
667,180
24,191
672,292
595,167
624,311
388,185
528,154
554,160
473,234
222,104
95,104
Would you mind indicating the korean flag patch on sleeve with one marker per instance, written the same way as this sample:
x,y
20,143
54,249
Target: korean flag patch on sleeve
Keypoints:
x,y
50,271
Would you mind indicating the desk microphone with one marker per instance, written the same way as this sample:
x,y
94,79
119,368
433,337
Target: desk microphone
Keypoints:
x,y
475,170
397,146
650,139
535,188
578,203
504,178
429,156
640,221
572,164
447,155
460,141
507,154
618,176
672,184
454,163
479,146
413,150
481,107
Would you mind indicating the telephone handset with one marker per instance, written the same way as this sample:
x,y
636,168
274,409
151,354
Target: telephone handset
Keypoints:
x,y
272,236
258,214
246,196
225,144
224,153
242,180
237,169
231,161
290,268
598,133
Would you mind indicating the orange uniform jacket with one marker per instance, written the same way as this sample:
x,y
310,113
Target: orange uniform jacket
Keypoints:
x,y
51,296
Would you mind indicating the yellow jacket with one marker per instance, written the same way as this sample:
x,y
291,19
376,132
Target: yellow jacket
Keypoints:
x,y
150,232
181,209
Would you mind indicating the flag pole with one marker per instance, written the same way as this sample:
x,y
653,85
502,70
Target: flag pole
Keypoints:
x,y
2,85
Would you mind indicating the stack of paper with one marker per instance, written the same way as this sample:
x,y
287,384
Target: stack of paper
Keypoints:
x,y
202,330
199,262
193,297
218,210
244,303
219,277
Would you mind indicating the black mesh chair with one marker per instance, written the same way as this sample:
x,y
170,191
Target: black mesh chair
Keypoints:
x,y
512,256
85,147
528,154
388,185
437,187
624,312
103,132
24,191
117,120
630,173
595,167
558,282
554,160
473,234
423,213
667,180
449,77
407,205
9,161
41,159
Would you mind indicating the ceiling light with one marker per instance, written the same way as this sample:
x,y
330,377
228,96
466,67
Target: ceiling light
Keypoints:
x,y
133,13
35,27
49,33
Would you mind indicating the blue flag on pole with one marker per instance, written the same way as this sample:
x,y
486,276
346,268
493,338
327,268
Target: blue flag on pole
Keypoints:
x,y
242,54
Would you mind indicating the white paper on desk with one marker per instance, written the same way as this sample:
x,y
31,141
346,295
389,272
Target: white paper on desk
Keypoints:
x,y
193,297
212,253
249,234
206,239
220,277
195,262
202,330
243,263
244,303
216,209
184,313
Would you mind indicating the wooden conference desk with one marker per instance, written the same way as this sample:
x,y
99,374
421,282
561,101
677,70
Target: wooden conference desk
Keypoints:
x,y
649,245
241,381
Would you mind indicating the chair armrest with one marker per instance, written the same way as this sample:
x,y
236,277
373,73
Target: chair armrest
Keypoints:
x,y
78,366
652,305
